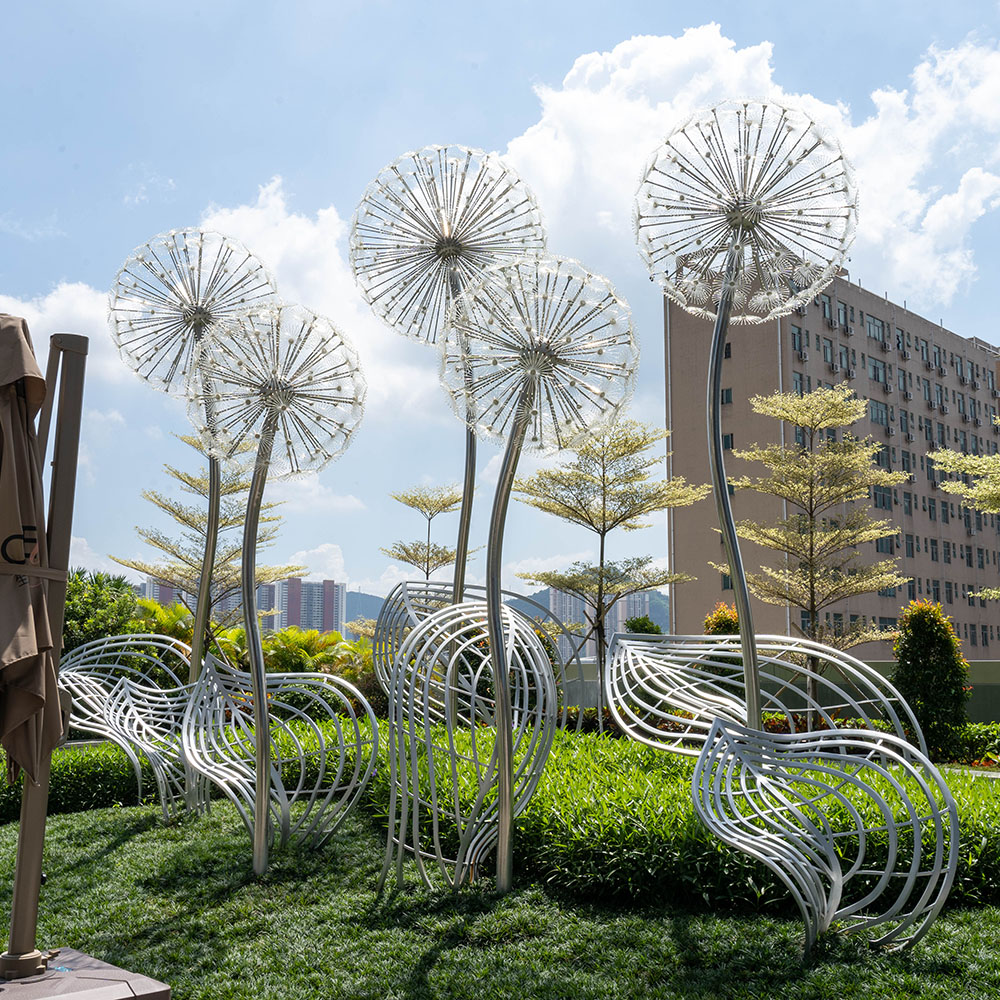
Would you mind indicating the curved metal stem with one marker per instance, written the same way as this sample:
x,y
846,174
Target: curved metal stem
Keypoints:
x,y
255,650
721,489
207,566
469,480
498,654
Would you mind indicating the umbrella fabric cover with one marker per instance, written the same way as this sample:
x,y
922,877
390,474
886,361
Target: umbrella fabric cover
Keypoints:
x,y
30,722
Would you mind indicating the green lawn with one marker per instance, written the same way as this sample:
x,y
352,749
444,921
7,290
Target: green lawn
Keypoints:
x,y
181,905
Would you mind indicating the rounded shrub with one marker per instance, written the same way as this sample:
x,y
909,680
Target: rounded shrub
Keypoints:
x,y
642,625
932,675
722,620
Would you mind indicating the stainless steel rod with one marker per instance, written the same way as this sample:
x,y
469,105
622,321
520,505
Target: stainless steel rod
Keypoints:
x,y
498,654
721,489
255,650
204,604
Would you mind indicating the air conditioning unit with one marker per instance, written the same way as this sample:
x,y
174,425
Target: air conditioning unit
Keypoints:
x,y
851,373
890,430
934,484
885,345
911,479
995,393
941,371
907,394
815,300
834,367
905,354
931,405
928,364
965,380
979,421
965,418
848,331
887,387
944,408
909,437
803,355
976,384
831,323
800,310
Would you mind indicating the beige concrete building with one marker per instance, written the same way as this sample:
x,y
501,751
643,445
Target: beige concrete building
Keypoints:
x,y
926,388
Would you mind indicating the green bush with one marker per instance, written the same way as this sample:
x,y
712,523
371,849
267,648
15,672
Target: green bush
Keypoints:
x,y
932,675
642,625
97,605
978,743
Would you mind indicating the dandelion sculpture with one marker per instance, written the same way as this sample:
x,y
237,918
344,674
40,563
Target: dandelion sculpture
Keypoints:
x,y
168,295
744,213
537,355
287,380
429,226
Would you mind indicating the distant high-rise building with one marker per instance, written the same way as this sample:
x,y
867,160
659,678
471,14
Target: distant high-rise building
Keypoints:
x,y
160,592
310,604
569,609
926,388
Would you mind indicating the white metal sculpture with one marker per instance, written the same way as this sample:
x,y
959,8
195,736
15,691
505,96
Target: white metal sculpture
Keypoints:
x,y
430,225
443,732
746,211
862,830
168,294
411,602
129,689
667,690
538,354
286,379
323,747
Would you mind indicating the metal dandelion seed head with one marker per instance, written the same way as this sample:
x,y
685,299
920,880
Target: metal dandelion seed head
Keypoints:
x,y
753,175
173,290
549,324
430,225
284,366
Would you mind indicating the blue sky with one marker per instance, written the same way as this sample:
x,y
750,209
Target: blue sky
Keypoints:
x,y
267,121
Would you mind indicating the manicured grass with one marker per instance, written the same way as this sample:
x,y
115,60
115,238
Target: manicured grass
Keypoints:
x,y
180,904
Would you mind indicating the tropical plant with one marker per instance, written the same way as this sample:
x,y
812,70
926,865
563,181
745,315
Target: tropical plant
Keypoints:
x,y
722,620
97,605
610,482
181,566
820,478
426,556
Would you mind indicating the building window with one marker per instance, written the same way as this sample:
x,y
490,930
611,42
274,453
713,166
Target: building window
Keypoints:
x,y
879,412
876,329
728,351
946,545
911,590
932,508
936,590
949,592
797,383
882,496
796,338
727,396
886,546
908,549
727,442
984,635
844,356
727,582
827,350
876,369
934,550
980,560
907,503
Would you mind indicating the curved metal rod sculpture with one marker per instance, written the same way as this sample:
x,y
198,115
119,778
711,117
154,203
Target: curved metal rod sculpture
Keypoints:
x,y
96,673
282,371
168,294
442,685
545,347
746,211
149,718
666,690
411,602
314,781
430,225
822,809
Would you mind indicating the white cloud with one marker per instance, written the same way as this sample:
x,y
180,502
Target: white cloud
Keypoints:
x,y
921,154
325,562
72,307
306,494
81,554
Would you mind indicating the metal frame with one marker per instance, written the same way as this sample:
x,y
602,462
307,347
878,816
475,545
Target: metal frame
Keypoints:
x,y
442,684
812,807
411,602
313,782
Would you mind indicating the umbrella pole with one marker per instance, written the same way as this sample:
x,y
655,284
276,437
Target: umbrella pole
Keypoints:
x,y
22,957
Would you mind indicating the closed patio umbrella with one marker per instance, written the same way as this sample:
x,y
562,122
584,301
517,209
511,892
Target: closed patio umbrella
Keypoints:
x,y
30,723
